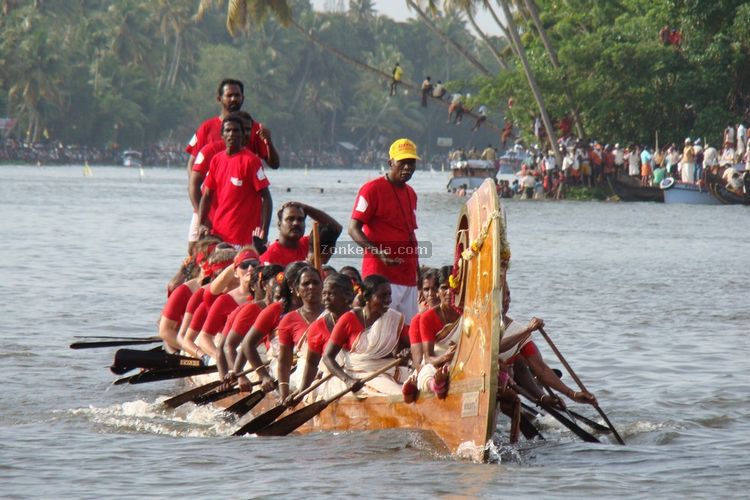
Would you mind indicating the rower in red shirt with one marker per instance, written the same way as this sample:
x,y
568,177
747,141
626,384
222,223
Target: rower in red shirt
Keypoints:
x,y
371,336
292,244
293,326
337,298
210,338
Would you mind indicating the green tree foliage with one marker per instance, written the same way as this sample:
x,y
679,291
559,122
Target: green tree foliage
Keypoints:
x,y
627,84
136,72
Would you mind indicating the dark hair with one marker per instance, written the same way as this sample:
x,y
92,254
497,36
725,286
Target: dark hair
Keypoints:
x,y
245,116
352,270
230,81
444,274
234,118
343,282
289,204
304,270
427,273
327,239
371,283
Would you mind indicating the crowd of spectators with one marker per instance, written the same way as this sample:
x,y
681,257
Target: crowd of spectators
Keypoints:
x,y
57,153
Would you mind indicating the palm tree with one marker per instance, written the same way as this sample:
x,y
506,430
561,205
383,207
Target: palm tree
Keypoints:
x,y
469,8
552,53
447,39
515,40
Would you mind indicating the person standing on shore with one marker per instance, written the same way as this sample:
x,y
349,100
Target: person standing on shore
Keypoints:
x,y
384,220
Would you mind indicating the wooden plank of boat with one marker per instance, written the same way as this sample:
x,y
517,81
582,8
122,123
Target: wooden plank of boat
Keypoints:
x,y
628,190
462,423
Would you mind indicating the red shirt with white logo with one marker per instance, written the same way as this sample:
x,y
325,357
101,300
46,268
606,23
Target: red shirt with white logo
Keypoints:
x,y
236,182
210,131
282,255
388,214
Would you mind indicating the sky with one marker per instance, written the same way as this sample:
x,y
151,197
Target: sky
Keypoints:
x,y
397,10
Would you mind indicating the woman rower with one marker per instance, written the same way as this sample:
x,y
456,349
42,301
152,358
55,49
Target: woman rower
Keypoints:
x,y
265,326
337,298
427,299
202,300
238,277
241,319
293,327
371,336
439,329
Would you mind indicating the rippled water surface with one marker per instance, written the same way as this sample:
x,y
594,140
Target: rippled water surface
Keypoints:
x,y
648,303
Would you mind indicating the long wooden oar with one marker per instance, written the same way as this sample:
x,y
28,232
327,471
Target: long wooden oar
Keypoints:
x,y
295,420
267,418
580,384
113,343
585,436
112,337
188,396
159,375
247,403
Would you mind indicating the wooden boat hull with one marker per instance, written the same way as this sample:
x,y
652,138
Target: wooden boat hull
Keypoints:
x,y
629,191
690,194
463,423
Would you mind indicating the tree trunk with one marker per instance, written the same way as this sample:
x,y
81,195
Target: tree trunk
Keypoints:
x,y
448,39
551,136
483,36
552,53
502,28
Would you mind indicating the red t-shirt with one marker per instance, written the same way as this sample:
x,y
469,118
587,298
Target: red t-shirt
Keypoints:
x,y
318,335
429,324
206,154
195,300
389,218
230,321
218,314
199,316
346,330
236,182
208,298
528,349
245,317
210,131
269,318
281,255
175,307
414,329
291,328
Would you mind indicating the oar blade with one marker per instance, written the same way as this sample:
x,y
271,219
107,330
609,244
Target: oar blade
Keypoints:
x,y
247,403
284,426
110,343
187,396
263,420
160,375
216,396
585,436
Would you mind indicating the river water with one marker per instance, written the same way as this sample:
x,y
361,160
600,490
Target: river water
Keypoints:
x,y
648,303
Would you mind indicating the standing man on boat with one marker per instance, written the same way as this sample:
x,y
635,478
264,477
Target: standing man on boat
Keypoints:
x,y
230,95
384,221
238,184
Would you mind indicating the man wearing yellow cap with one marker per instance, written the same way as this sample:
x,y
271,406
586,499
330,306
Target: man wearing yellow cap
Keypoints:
x,y
383,222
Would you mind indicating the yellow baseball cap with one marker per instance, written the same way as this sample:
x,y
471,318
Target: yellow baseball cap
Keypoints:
x,y
403,149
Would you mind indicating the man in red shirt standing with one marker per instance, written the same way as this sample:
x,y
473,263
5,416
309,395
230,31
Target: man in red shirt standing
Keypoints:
x,y
292,244
239,186
384,221
230,96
